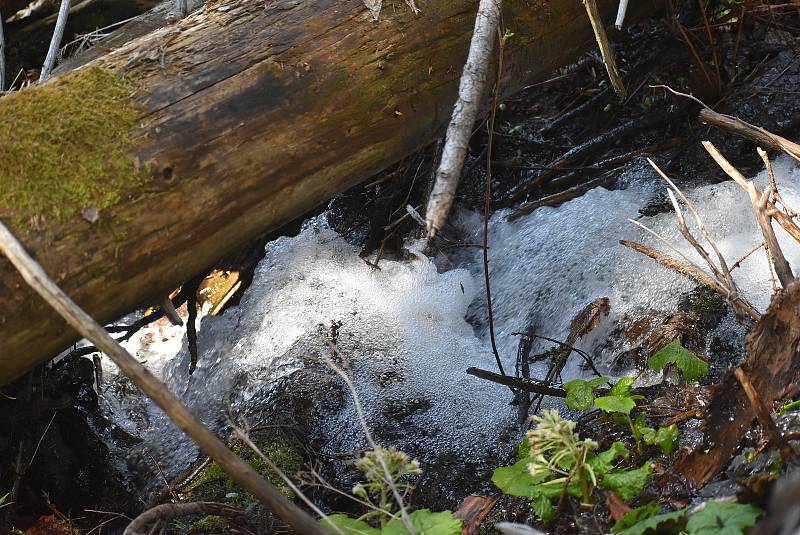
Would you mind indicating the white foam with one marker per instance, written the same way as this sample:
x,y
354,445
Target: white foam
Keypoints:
x,y
409,319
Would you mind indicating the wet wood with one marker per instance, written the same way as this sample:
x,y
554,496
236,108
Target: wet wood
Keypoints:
x,y
473,511
772,364
254,114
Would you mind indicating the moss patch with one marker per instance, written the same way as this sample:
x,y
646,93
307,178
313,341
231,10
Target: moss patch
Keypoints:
x,y
213,484
67,145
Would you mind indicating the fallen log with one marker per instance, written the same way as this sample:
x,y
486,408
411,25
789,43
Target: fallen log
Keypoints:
x,y
224,126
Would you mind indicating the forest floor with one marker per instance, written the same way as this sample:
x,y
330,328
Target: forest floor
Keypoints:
x,y
741,60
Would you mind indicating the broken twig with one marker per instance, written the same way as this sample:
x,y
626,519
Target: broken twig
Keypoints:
x,y
208,442
605,47
55,42
171,511
473,81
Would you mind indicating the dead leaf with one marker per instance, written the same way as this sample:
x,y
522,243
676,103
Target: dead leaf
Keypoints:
x,y
50,525
617,508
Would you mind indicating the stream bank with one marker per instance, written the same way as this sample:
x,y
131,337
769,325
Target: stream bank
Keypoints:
x,y
408,330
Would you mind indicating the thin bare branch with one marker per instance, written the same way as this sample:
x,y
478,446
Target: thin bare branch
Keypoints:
x,y
55,42
605,47
171,511
783,220
470,90
208,442
742,307
723,266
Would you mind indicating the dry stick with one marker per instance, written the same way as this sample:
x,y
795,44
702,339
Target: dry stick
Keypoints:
x,y
764,417
465,111
528,385
621,10
169,511
55,42
778,199
783,219
723,266
404,516
208,442
751,132
693,272
744,257
760,202
605,47
605,179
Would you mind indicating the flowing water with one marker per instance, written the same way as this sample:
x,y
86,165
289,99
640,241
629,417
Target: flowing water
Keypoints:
x,y
407,332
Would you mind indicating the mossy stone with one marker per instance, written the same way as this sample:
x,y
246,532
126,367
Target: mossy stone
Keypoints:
x,y
213,484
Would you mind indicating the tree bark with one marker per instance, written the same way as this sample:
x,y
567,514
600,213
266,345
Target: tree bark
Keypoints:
x,y
252,114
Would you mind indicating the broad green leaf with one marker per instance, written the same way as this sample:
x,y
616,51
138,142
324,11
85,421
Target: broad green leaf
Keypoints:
x,y
542,507
612,404
580,394
426,523
516,480
640,528
635,516
788,407
720,518
627,484
622,387
348,526
687,362
603,462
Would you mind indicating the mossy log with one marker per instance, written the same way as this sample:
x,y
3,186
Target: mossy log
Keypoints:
x,y
189,142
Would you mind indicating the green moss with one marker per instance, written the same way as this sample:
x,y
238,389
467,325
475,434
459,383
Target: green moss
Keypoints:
x,y
213,484
209,524
67,145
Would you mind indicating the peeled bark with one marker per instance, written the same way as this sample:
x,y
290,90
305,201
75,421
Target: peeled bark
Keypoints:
x,y
251,115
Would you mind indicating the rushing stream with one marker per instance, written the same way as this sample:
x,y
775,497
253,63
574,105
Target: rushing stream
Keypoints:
x,y
407,332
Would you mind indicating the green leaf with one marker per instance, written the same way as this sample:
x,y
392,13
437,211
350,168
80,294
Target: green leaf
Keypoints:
x,y
555,487
667,438
603,462
635,516
543,508
622,387
516,480
613,403
687,362
627,484
640,528
720,518
788,407
426,523
580,394
523,449
348,526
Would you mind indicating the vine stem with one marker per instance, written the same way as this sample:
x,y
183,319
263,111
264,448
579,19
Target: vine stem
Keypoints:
x,y
488,203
